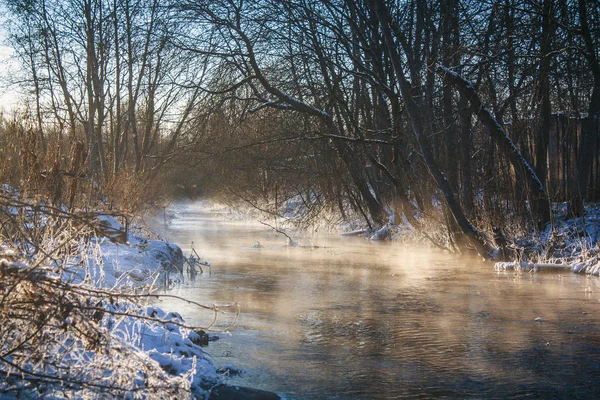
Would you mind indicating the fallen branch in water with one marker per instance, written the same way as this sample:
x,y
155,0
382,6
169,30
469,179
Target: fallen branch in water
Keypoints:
x,y
291,242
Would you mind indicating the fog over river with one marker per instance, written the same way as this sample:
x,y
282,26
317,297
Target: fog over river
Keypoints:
x,y
355,319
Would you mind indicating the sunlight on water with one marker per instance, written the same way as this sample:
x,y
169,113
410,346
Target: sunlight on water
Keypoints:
x,y
353,319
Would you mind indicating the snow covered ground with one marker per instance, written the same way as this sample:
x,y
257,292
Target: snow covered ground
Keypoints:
x,y
569,244
82,324
131,262
143,263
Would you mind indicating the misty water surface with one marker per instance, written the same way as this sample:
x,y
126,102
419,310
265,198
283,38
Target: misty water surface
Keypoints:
x,y
355,319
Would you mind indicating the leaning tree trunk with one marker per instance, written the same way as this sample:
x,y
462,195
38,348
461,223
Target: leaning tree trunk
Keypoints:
x,y
522,167
473,235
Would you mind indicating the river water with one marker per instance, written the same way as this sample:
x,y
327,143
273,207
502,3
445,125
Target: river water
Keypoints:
x,y
354,319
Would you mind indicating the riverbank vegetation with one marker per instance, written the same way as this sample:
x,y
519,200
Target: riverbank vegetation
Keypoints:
x,y
474,116
77,313
474,123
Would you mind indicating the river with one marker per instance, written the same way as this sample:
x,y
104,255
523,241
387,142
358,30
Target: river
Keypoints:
x,y
354,319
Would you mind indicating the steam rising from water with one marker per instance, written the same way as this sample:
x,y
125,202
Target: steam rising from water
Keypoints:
x,y
357,319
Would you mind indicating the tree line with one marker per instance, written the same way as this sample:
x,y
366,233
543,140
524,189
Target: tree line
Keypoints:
x,y
457,109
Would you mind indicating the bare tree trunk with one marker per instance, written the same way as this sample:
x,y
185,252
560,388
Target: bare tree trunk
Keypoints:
x,y
75,170
90,131
51,47
466,149
346,153
153,82
36,85
451,140
100,67
118,126
131,125
543,99
590,125
95,91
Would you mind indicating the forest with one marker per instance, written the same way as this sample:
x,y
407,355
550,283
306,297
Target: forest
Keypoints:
x,y
475,116
471,126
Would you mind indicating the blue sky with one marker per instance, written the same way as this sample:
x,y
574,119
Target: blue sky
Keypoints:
x,y
8,97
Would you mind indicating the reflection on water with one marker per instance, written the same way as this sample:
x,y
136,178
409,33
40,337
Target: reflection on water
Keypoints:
x,y
362,320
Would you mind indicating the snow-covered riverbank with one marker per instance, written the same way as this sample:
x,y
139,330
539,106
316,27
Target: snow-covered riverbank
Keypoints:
x,y
77,319
143,263
569,244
